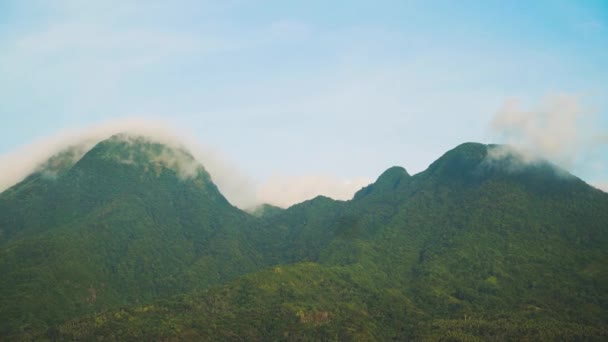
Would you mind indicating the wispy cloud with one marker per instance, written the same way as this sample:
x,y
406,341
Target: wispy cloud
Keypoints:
x,y
17,164
89,57
238,188
560,129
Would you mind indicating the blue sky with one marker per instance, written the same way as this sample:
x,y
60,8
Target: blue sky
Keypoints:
x,y
335,89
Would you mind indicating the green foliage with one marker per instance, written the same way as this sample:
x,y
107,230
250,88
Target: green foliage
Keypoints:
x,y
471,249
108,233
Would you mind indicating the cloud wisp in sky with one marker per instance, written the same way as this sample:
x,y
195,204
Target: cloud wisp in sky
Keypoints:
x,y
560,130
238,188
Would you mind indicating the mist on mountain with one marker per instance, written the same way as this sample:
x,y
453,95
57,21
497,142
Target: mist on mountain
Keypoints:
x,y
133,240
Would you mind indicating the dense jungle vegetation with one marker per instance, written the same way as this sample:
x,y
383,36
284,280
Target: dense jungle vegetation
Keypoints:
x,y
134,241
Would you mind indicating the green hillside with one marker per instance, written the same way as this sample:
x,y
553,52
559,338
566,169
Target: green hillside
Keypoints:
x,y
120,226
473,248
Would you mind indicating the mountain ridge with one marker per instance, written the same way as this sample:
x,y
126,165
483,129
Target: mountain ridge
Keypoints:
x,y
489,157
123,242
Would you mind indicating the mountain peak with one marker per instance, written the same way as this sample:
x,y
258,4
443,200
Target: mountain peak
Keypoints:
x,y
141,151
460,159
392,173
388,180
475,163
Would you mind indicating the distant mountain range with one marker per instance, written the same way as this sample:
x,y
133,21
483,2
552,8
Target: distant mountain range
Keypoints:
x,y
133,241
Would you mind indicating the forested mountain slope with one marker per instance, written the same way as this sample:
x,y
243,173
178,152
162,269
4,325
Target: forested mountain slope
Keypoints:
x,y
129,222
480,245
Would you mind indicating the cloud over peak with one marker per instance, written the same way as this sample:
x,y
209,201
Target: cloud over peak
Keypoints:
x,y
560,128
239,189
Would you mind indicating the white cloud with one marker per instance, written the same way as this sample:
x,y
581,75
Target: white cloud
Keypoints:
x,y
560,129
601,185
239,189
16,165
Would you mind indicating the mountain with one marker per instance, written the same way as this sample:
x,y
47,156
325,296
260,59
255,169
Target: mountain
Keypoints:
x,y
128,222
481,245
